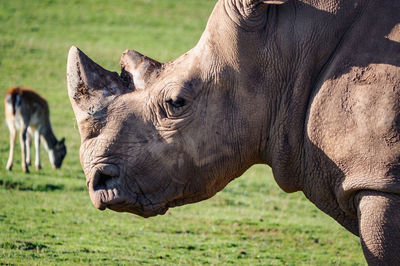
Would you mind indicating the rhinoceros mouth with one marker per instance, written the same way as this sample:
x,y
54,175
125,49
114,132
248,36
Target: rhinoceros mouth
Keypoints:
x,y
106,191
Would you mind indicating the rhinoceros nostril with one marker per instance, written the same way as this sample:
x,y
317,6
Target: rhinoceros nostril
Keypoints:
x,y
100,181
104,176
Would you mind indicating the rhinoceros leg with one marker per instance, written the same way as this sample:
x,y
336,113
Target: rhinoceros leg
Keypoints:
x,y
379,220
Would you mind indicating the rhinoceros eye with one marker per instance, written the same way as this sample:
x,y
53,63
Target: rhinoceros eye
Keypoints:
x,y
176,103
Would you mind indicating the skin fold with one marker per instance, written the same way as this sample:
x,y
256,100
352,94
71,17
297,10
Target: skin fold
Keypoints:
x,y
311,88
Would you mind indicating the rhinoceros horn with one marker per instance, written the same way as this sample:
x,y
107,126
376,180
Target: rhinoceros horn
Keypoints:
x,y
90,86
138,69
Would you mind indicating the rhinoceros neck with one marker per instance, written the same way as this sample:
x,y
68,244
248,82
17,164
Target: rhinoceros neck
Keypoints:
x,y
277,68
305,49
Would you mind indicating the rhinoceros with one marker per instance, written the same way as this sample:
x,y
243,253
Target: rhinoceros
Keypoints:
x,y
309,87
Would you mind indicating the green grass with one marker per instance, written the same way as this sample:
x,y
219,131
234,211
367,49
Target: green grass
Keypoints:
x,y
47,218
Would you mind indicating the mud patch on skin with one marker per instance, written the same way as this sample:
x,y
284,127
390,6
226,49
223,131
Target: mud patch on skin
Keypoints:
x,y
393,136
365,75
82,91
95,120
93,125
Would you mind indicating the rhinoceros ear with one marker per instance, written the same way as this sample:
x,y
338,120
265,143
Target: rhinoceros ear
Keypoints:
x,y
91,87
138,69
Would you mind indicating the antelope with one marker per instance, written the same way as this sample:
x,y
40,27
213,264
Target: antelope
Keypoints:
x,y
27,112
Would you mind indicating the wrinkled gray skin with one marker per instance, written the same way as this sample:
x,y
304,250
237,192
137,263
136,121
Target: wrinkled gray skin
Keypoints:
x,y
311,88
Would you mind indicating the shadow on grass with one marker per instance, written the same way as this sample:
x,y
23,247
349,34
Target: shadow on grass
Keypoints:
x,y
7,184
23,245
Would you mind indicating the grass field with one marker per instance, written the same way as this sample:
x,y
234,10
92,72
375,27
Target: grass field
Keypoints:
x,y
47,218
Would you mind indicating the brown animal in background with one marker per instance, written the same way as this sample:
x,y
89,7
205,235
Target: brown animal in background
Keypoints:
x,y
28,112
309,87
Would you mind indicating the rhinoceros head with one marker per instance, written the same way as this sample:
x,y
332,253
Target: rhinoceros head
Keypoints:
x,y
166,134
